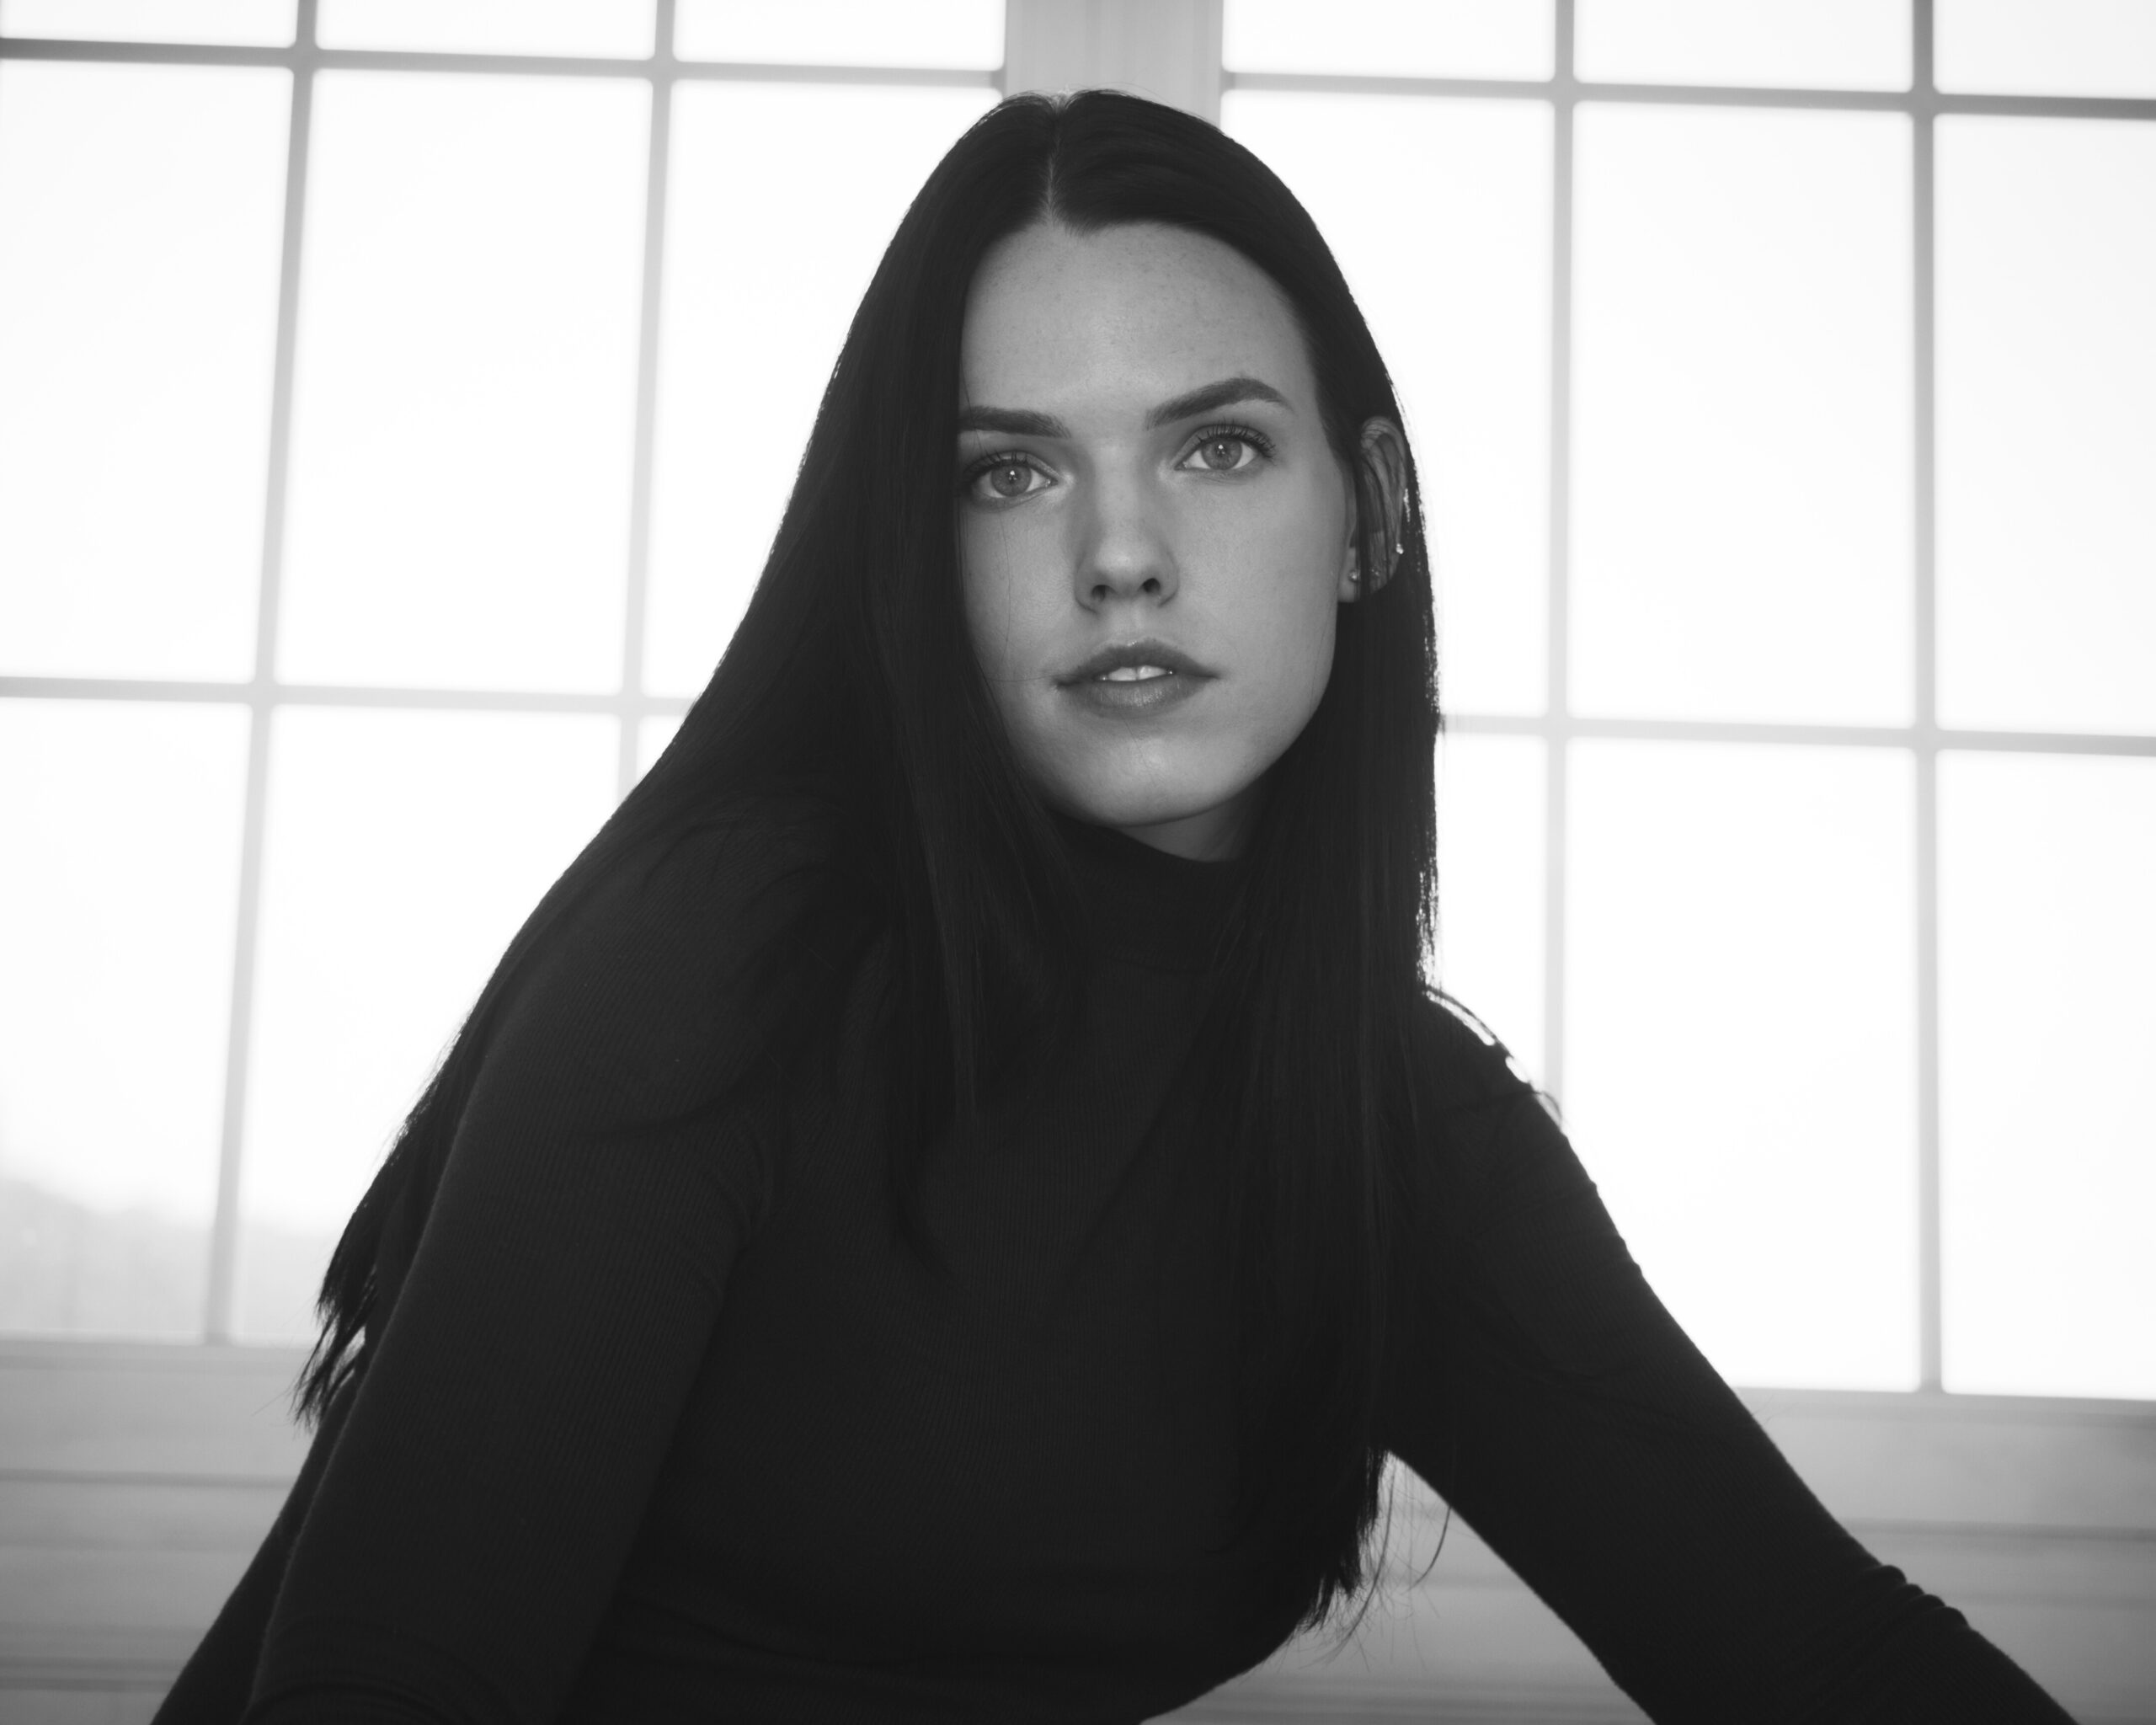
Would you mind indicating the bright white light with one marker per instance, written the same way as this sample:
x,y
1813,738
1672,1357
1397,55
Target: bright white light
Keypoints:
x,y
118,889
757,302
1861,45
1740,1045
404,850
2046,47
2047,445
1491,833
265,24
2047,1094
945,33
602,29
141,212
466,381
1742,428
1448,252
1400,38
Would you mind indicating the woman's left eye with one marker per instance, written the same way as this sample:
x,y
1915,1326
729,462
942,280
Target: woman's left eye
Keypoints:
x,y
1225,452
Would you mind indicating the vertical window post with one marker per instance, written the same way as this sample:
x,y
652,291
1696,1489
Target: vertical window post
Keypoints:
x,y
220,1298
1168,50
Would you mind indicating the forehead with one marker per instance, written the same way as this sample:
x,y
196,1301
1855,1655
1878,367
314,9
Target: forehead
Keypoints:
x,y
1143,310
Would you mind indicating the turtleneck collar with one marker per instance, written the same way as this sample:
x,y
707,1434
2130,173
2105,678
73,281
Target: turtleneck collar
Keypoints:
x,y
1144,904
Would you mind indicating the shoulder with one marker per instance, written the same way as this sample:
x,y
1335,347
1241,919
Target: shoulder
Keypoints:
x,y
1461,1064
1487,1137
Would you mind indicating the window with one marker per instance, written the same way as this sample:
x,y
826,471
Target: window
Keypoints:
x,y
396,401
1776,372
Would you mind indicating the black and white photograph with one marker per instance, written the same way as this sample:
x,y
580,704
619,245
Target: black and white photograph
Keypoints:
x,y
1069,862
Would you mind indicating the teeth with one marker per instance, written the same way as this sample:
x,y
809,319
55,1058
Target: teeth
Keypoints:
x,y
1134,674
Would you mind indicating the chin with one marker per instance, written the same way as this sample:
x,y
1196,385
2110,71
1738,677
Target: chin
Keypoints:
x,y
1154,804
1112,800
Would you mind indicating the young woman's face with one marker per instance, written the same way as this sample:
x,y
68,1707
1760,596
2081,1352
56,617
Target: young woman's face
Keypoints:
x,y
1154,533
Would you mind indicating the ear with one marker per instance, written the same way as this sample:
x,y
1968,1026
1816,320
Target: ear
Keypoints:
x,y
1377,490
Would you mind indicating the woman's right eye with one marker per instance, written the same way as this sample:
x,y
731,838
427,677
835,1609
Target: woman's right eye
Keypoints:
x,y
1006,481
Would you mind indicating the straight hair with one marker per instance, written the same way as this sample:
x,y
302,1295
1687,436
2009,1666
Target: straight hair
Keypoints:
x,y
849,708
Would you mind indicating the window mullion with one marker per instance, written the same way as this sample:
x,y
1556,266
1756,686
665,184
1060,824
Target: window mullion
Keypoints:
x,y
635,598
1169,49
1924,636
1557,700
220,1303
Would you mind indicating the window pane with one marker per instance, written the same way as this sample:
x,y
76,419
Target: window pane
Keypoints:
x,y
2046,47
1454,276
606,28
946,33
117,895
1491,833
257,23
757,302
466,381
1740,1044
2046,447
1861,45
140,214
1397,38
404,850
2047,1095
1741,502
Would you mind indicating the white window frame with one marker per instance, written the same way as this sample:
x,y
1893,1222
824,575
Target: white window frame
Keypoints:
x,y
1172,49
263,693
1169,49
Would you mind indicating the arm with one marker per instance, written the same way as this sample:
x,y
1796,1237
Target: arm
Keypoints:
x,y
468,1531
213,1686
1546,1393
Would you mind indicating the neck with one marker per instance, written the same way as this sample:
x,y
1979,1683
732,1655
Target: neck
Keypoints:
x,y
1216,835
1146,904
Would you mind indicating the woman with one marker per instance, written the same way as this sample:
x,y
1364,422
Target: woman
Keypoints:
x,y
946,1207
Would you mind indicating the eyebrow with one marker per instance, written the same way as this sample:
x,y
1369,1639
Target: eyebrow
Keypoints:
x,y
1209,398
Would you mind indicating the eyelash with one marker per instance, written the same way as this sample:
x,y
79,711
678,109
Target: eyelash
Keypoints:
x,y
1211,434
1247,434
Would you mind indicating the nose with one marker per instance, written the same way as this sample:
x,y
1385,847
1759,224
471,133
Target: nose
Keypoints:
x,y
1124,552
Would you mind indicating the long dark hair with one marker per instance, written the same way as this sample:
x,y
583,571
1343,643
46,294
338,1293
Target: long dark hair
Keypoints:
x,y
852,685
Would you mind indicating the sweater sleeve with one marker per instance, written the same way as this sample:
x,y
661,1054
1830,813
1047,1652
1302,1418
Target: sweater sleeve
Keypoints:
x,y
1545,1392
467,1533
213,1687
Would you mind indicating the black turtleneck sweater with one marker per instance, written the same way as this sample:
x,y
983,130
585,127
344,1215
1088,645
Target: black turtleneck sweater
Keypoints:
x,y
634,1446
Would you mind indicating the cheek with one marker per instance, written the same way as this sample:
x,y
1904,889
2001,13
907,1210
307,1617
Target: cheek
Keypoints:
x,y
994,598
1290,605
1298,659
1010,620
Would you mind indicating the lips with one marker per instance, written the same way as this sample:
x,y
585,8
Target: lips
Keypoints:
x,y
1134,662
1135,680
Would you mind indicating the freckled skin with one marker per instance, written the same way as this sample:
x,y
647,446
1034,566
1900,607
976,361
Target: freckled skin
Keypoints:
x,y
1183,534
